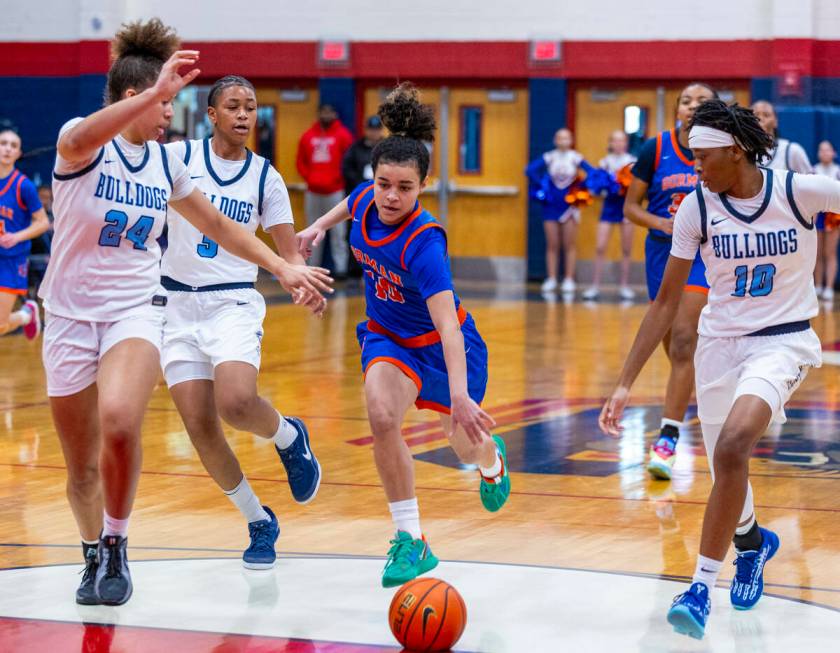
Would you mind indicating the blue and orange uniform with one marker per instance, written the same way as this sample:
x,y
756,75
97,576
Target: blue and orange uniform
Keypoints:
x,y
18,201
404,264
668,169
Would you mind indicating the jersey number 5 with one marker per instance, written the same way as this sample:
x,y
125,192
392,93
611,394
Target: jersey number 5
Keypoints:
x,y
115,224
762,280
207,248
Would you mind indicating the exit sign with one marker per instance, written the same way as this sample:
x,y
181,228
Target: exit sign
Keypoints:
x,y
546,51
334,53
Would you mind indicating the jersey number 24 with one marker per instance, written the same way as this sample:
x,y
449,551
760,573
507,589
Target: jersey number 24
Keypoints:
x,y
116,222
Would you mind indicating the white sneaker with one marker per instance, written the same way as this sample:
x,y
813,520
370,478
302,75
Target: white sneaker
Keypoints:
x,y
626,292
591,293
549,285
568,285
820,290
828,294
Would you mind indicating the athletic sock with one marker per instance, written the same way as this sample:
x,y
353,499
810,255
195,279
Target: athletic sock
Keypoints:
x,y
406,516
707,571
494,470
114,526
89,548
670,428
24,315
748,537
249,505
286,433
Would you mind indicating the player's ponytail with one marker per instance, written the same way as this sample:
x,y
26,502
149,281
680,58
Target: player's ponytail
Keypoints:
x,y
138,52
739,121
411,124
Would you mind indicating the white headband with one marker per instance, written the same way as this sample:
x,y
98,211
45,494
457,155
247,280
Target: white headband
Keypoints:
x,y
702,137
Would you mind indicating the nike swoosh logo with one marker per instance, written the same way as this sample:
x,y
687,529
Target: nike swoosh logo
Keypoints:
x,y
355,219
467,350
714,222
306,453
108,161
241,303
428,611
708,571
196,176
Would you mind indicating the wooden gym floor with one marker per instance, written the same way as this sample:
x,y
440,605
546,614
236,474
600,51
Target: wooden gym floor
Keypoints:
x,y
581,502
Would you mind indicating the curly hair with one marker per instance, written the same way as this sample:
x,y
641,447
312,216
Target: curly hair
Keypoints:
x,y
138,52
411,123
739,121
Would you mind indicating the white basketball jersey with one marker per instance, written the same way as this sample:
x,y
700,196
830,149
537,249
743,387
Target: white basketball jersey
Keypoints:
x,y
249,192
105,260
788,156
759,253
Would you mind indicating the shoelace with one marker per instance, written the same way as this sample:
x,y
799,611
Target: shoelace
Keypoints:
x,y
114,560
89,569
294,467
399,548
261,535
743,568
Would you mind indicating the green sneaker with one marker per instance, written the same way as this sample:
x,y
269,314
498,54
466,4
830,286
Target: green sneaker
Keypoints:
x,y
495,491
407,559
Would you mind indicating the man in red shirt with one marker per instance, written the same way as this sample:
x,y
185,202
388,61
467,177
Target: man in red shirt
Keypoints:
x,y
320,151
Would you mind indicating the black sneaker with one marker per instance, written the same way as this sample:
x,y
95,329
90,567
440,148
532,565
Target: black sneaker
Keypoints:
x,y
113,580
86,594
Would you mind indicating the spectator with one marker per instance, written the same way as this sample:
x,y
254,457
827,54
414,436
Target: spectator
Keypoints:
x,y
827,229
319,155
356,163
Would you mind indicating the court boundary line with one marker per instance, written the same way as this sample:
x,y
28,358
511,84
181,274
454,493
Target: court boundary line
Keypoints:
x,y
300,555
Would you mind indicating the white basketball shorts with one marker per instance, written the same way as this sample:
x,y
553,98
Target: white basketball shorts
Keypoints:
x,y
205,329
770,367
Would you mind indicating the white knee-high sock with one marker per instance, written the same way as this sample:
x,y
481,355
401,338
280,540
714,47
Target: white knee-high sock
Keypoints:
x,y
243,497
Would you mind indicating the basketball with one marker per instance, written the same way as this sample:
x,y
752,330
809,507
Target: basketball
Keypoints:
x,y
427,614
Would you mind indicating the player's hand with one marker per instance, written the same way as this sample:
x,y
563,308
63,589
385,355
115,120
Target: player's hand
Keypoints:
x,y
309,239
170,80
313,301
304,283
666,225
610,417
7,241
468,414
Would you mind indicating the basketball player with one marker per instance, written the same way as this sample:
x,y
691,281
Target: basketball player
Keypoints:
x,y
22,218
211,341
785,154
828,232
664,174
419,345
102,295
755,230
612,215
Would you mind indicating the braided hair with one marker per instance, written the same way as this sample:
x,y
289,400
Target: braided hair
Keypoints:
x,y
738,121
226,82
410,123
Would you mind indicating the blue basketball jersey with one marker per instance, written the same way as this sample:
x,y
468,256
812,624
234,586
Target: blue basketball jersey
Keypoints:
x,y
673,179
18,201
404,265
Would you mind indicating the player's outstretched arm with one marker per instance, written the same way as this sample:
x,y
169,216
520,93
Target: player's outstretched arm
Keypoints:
x,y
465,411
304,283
311,237
285,242
654,326
636,213
83,140
40,223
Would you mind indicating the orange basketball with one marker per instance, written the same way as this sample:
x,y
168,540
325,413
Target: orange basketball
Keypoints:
x,y
427,614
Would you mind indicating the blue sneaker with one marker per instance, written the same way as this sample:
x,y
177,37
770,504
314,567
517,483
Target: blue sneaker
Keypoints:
x,y
690,610
301,465
112,583
748,583
261,554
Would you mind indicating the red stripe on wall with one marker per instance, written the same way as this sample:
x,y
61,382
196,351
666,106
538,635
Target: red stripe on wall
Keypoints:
x,y
460,60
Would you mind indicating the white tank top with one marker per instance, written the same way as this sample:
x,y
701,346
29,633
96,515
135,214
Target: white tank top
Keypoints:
x,y
759,253
562,167
788,156
250,192
105,260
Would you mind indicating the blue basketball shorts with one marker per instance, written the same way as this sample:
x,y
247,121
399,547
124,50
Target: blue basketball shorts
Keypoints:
x,y
14,274
426,367
657,251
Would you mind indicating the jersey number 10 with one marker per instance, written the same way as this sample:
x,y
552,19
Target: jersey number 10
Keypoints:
x,y
762,280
